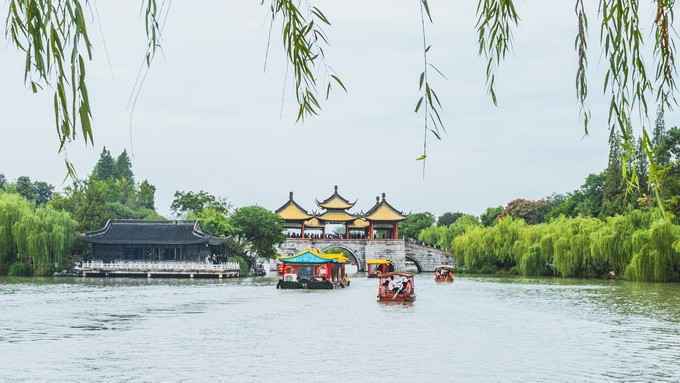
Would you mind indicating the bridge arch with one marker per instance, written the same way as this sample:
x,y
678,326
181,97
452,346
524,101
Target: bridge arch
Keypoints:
x,y
347,251
415,262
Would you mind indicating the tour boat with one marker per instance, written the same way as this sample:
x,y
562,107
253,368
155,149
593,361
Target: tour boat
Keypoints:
x,y
377,266
443,273
312,269
396,287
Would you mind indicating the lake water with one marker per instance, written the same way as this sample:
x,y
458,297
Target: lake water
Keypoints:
x,y
474,330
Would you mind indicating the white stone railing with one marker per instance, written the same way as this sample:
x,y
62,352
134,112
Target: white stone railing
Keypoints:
x,y
160,266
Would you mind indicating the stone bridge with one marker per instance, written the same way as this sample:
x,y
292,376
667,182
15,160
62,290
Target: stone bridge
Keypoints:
x,y
396,250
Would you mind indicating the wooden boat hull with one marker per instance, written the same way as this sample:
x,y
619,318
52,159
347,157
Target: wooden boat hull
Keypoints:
x,y
310,285
444,280
407,298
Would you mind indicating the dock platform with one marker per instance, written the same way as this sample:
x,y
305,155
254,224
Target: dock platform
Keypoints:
x,y
159,270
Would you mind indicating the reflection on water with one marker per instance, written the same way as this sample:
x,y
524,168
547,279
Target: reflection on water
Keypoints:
x,y
474,330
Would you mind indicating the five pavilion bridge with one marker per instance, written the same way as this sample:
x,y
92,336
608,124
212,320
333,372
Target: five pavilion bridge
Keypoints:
x,y
399,251
373,234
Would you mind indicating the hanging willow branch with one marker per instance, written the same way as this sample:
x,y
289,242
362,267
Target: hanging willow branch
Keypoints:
x,y
495,22
581,46
627,83
304,41
54,38
428,100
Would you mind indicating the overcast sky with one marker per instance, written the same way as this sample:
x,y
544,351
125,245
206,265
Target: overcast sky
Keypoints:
x,y
209,116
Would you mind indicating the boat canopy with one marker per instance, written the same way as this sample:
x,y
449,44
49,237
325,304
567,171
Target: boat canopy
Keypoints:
x,y
313,257
378,261
396,274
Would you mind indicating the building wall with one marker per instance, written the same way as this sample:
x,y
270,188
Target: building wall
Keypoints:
x,y
149,253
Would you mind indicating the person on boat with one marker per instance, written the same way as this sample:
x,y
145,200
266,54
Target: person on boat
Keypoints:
x,y
400,286
389,283
397,285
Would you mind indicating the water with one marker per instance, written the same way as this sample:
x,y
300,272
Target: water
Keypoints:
x,y
474,330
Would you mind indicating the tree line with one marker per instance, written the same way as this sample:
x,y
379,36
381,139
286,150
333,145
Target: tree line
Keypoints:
x,y
608,226
39,227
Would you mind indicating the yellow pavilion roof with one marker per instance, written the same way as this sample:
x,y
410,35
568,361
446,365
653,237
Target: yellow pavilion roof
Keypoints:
x,y
337,216
291,211
359,224
313,223
383,211
336,202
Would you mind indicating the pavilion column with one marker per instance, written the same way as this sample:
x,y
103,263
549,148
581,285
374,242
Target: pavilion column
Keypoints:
x,y
346,231
370,230
302,230
395,231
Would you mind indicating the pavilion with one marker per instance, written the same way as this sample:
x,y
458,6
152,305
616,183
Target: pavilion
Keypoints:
x,y
380,222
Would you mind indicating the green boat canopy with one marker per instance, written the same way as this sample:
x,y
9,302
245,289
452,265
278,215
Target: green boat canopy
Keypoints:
x,y
308,257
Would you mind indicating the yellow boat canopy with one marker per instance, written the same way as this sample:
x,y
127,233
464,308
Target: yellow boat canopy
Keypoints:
x,y
335,257
378,261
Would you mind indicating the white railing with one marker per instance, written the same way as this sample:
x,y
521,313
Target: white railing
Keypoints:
x,y
160,266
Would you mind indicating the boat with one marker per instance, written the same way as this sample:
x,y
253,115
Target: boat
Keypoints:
x,y
443,273
312,269
377,266
396,287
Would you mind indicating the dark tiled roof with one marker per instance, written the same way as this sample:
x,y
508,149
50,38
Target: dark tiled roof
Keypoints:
x,y
139,232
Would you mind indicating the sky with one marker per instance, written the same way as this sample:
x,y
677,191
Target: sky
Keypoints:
x,y
211,118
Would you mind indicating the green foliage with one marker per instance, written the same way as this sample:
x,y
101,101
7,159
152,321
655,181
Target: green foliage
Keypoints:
x,y
146,196
641,245
106,195
20,269
448,218
655,258
490,215
24,187
40,238
532,212
13,208
414,223
105,169
262,228
123,167
38,192
3,181
214,222
443,236
191,202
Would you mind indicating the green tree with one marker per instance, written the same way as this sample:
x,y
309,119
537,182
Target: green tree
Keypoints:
x,y
262,228
24,187
42,192
13,208
214,222
90,205
414,224
33,240
3,181
106,167
490,215
187,202
146,196
532,212
123,167
613,188
448,218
